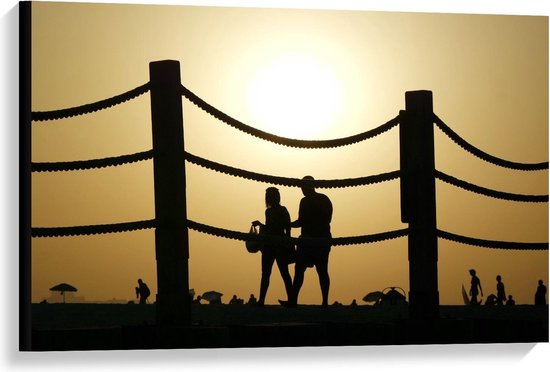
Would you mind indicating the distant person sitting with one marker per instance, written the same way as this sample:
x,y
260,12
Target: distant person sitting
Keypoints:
x,y
142,292
353,303
197,300
234,300
474,291
510,301
314,217
252,300
540,295
501,294
491,300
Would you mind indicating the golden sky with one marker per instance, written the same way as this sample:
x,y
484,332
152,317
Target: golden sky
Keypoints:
x,y
336,73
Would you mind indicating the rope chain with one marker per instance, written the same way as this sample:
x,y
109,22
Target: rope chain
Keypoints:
x,y
91,164
40,232
290,142
90,107
236,235
488,192
292,182
491,243
48,232
483,155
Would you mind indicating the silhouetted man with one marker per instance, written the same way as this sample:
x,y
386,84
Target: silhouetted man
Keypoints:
x,y
501,294
510,301
475,284
314,217
540,295
142,292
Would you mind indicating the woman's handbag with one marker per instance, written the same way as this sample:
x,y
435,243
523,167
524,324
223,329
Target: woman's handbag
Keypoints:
x,y
253,245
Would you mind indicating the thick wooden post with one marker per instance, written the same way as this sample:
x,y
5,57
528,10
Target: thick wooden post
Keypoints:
x,y
418,202
173,305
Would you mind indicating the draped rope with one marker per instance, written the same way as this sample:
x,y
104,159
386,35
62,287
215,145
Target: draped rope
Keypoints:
x,y
293,182
43,232
236,235
90,107
488,192
290,142
91,164
483,155
491,243
38,232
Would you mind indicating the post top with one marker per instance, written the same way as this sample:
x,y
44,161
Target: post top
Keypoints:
x,y
419,101
164,61
165,71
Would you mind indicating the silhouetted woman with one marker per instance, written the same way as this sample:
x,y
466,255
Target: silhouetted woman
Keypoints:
x,y
475,284
277,222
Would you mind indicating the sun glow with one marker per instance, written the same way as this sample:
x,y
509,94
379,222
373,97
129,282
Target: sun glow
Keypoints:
x,y
295,95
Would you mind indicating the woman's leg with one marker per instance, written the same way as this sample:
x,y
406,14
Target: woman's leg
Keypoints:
x,y
267,264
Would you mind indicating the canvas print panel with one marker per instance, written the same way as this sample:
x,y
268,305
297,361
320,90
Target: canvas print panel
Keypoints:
x,y
393,164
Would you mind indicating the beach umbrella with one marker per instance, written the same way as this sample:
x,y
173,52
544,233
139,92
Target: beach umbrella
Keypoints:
x,y
62,288
393,296
212,296
373,296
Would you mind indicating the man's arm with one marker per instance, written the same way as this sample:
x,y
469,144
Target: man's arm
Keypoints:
x,y
298,222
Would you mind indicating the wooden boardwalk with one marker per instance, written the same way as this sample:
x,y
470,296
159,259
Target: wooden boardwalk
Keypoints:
x,y
118,327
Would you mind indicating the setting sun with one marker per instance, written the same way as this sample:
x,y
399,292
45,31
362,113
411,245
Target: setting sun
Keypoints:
x,y
295,95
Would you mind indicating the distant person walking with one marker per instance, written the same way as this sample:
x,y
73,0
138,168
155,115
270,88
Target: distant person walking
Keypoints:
x,y
314,217
501,294
142,292
277,222
540,295
474,292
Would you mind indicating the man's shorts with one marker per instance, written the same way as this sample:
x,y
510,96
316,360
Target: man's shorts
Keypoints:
x,y
310,255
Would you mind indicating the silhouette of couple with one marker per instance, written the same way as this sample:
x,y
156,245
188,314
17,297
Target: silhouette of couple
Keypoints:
x,y
314,217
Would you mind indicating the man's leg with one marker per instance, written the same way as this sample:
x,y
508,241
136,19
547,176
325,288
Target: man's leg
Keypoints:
x,y
287,280
299,270
324,278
